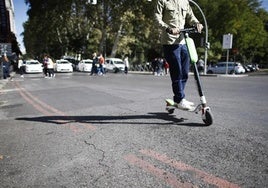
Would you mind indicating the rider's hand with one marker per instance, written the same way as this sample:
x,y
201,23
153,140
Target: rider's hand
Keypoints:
x,y
173,31
199,27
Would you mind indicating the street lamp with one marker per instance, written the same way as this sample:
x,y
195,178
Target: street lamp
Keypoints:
x,y
207,45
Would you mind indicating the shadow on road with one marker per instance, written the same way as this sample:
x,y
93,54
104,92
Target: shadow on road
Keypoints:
x,y
121,119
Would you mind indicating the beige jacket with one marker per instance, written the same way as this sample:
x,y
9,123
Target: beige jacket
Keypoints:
x,y
173,14
50,64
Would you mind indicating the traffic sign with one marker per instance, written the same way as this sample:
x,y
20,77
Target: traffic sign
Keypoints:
x,y
227,41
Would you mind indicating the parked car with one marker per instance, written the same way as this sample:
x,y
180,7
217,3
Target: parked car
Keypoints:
x,y
85,65
252,67
73,60
32,66
247,69
220,68
63,65
114,65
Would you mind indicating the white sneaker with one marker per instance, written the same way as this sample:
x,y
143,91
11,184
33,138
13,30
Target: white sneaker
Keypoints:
x,y
185,105
190,103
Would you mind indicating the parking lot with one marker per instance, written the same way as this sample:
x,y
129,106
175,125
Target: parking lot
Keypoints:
x,y
77,130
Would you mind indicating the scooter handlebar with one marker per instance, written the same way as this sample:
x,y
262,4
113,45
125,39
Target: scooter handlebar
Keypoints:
x,y
189,30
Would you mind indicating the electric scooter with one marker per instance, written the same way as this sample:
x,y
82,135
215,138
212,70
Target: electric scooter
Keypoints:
x,y
206,114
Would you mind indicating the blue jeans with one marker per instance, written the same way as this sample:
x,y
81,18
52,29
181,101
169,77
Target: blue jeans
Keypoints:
x,y
101,69
179,63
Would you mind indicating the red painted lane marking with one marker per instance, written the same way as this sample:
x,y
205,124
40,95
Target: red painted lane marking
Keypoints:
x,y
75,128
86,125
36,106
221,183
32,100
163,175
39,101
40,106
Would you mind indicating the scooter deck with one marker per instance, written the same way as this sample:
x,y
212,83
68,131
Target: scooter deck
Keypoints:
x,y
171,106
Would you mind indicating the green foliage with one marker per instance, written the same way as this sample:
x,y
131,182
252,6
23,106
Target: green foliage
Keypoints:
x,y
242,18
127,27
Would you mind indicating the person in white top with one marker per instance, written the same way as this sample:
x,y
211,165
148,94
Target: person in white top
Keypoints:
x,y
50,66
20,66
126,63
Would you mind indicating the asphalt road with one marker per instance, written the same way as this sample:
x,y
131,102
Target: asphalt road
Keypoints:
x,y
113,131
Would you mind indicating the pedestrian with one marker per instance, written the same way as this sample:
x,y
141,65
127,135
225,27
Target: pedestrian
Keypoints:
x,y
171,16
166,67
50,67
21,66
154,66
6,66
45,62
126,63
94,64
160,65
201,65
101,65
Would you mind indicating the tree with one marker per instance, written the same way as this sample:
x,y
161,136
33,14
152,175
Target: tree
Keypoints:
x,y
240,18
119,27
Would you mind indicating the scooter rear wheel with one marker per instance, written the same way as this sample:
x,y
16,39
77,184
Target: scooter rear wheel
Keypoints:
x,y
208,117
170,111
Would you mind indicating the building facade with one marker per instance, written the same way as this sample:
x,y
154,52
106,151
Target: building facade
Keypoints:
x,y
10,10
7,20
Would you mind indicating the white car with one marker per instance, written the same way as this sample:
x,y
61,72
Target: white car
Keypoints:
x,y
33,66
114,65
63,65
85,65
220,68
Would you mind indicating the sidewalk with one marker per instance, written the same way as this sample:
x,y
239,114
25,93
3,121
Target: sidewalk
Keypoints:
x,y
3,82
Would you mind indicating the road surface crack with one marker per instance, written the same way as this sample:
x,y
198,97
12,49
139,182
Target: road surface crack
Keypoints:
x,y
100,162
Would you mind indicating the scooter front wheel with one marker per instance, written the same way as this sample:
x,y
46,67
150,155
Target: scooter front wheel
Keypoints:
x,y
207,117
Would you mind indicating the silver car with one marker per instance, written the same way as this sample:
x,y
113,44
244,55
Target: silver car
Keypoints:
x,y
114,65
221,67
85,65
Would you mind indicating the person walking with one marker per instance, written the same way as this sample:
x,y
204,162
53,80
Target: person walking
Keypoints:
x,y
126,63
45,62
171,16
6,66
160,65
166,67
101,64
20,66
50,66
154,66
94,64
201,65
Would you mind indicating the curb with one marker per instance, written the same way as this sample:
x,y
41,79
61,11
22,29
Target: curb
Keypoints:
x,y
201,75
233,75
